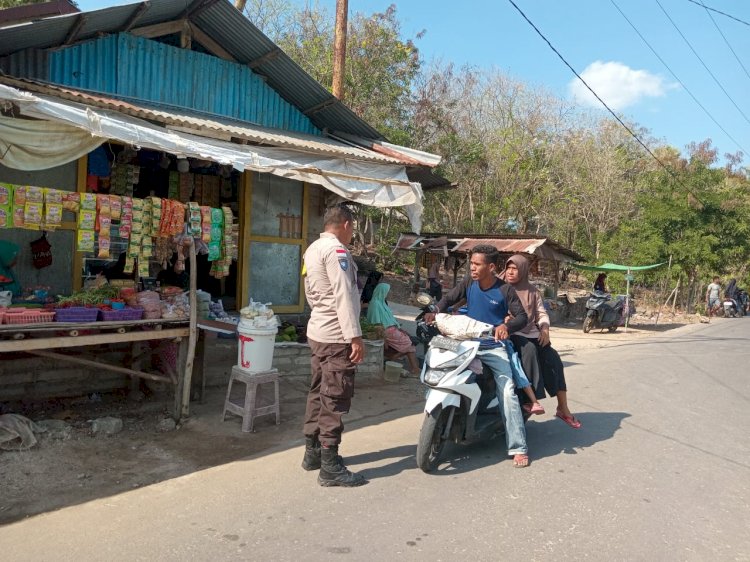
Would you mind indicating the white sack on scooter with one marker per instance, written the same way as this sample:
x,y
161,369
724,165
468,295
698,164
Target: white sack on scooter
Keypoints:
x,y
461,327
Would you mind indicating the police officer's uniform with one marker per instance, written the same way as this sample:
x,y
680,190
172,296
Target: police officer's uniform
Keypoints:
x,y
332,293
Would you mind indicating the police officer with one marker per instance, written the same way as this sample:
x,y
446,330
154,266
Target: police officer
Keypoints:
x,y
335,340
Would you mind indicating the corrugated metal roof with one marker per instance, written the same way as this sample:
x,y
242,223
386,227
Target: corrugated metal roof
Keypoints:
x,y
203,125
222,22
540,246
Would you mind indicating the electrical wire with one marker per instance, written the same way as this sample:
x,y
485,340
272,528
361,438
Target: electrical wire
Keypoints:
x,y
708,13
590,89
703,63
719,12
695,99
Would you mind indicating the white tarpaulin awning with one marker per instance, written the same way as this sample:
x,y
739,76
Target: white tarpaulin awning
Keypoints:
x,y
78,129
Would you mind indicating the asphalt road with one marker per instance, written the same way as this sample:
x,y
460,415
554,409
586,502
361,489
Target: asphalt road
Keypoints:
x,y
659,471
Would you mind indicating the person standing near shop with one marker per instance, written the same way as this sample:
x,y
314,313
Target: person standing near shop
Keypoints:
x,y
433,279
336,346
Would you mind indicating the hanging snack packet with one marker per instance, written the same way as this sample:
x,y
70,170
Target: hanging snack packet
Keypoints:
x,y
32,215
85,240
194,220
34,194
115,206
5,217
6,194
206,224
217,234
129,265
53,216
88,201
104,244
71,201
86,220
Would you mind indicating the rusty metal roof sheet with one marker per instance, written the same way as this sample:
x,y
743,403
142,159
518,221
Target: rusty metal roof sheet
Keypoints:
x,y
540,246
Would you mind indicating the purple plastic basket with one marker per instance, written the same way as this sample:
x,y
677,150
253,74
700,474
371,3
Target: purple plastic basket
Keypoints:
x,y
127,313
76,314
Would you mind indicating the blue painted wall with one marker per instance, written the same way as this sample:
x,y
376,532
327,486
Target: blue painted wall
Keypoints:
x,y
142,69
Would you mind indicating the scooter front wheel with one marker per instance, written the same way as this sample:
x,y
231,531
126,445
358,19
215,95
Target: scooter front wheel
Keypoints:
x,y
588,323
432,438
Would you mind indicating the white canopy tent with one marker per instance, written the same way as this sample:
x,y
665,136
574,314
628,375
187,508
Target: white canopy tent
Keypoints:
x,y
65,130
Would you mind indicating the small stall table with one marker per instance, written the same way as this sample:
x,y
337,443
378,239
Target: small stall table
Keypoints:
x,y
39,338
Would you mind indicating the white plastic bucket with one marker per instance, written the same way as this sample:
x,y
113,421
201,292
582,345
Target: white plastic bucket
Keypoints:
x,y
255,348
392,371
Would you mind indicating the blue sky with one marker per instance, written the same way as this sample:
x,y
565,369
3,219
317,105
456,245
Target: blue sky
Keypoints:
x,y
600,44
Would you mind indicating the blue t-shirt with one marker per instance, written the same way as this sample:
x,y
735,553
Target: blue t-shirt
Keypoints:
x,y
487,306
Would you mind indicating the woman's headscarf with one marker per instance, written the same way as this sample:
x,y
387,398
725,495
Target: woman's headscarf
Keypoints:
x,y
731,289
378,312
526,291
8,253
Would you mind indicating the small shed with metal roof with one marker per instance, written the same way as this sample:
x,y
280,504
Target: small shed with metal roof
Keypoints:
x,y
545,254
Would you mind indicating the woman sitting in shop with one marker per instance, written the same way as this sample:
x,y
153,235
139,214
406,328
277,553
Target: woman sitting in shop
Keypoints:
x,y
8,255
397,342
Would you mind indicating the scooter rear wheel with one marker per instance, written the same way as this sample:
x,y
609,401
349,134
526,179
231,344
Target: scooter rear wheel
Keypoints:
x,y
432,439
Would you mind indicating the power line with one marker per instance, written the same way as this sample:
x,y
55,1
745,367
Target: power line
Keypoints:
x,y
590,89
725,39
695,99
719,12
703,63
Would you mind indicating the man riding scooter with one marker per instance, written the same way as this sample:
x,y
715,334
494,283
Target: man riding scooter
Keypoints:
x,y
490,300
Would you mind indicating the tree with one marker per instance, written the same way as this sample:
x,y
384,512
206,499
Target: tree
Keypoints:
x,y
381,65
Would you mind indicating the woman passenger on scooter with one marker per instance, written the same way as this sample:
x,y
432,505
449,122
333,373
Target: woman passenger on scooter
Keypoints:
x,y
539,359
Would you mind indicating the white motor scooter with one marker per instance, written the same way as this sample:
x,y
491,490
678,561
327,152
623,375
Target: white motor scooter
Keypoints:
x,y
461,404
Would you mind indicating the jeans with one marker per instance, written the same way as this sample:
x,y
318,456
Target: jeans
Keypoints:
x,y
515,431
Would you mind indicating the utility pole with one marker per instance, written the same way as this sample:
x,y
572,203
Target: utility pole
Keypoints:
x,y
339,48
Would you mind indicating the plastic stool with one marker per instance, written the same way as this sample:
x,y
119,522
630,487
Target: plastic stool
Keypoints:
x,y
249,411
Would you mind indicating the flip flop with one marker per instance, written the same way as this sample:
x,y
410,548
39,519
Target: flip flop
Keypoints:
x,y
535,408
520,461
570,420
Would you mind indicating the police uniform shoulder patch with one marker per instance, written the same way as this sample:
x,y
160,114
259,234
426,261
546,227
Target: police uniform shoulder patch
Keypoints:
x,y
343,258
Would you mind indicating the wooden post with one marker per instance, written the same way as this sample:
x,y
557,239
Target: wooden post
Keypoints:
x,y
339,48
182,395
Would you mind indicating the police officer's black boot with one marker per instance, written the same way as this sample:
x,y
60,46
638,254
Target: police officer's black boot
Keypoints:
x,y
312,454
334,473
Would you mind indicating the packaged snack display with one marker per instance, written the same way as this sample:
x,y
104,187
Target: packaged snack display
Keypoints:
x,y
71,201
32,216
6,194
85,240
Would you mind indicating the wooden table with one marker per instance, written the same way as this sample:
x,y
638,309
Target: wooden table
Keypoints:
x,y
38,339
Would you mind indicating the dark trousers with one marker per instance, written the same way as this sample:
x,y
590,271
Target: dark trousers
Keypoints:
x,y
436,290
542,365
331,391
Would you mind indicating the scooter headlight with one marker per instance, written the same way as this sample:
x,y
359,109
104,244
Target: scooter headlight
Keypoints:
x,y
455,362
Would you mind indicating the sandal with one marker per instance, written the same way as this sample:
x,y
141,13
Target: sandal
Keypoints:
x,y
520,461
570,420
535,408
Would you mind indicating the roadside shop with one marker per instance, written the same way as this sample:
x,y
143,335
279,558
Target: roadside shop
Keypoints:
x,y
148,211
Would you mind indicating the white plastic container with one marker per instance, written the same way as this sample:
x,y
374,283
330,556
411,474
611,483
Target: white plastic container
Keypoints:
x,y
392,371
255,347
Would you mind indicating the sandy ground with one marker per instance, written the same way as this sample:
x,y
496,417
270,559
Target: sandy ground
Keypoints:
x,y
63,471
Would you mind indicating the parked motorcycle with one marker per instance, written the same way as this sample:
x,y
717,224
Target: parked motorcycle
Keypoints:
x,y
731,308
461,405
602,313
